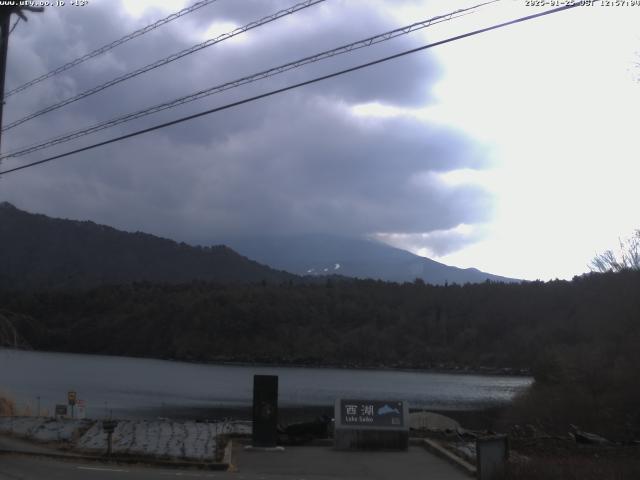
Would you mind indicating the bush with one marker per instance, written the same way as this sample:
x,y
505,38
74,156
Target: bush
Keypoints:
x,y
552,408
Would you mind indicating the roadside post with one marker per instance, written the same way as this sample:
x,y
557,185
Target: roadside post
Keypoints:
x,y
492,455
371,425
71,398
265,411
81,409
109,427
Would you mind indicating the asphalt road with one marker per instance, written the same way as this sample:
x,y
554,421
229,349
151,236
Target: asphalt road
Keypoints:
x,y
16,444
296,463
22,467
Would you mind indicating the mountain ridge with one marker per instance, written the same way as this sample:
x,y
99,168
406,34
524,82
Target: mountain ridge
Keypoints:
x,y
39,251
313,254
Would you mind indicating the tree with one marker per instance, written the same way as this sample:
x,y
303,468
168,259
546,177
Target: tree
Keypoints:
x,y
628,257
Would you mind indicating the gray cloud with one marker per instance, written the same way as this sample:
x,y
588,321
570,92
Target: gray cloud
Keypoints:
x,y
299,162
437,242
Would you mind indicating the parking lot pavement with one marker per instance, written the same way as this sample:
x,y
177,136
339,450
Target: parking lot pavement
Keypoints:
x,y
293,463
320,463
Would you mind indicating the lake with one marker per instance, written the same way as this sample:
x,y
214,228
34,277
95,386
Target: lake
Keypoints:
x,y
138,387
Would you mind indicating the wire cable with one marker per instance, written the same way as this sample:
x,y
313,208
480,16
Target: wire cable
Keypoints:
x,y
291,87
15,24
244,80
167,60
109,46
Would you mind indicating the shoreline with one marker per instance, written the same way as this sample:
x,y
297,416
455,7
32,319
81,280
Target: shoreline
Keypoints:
x,y
487,371
474,419
466,370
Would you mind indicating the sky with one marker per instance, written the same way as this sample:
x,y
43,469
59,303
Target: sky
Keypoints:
x,y
513,151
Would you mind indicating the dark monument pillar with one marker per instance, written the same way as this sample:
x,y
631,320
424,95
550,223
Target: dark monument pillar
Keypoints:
x,y
492,454
265,411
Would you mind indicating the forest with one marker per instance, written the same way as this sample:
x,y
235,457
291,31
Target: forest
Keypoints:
x,y
580,335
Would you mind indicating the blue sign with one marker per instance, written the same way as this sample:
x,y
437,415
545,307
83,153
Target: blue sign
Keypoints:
x,y
373,413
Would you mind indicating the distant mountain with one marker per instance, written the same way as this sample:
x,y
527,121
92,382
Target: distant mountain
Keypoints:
x,y
352,257
37,251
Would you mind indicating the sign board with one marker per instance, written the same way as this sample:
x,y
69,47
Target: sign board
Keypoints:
x,y
61,410
265,411
372,413
71,397
371,425
109,425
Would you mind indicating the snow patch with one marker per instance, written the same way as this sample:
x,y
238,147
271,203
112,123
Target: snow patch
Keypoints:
x,y
167,439
44,429
157,438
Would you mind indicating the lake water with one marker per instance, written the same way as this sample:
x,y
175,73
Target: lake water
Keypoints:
x,y
137,387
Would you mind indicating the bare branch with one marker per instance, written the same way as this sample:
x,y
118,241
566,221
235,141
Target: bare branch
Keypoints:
x,y
627,259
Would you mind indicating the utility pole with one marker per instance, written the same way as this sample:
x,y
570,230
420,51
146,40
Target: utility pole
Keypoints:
x,y
5,25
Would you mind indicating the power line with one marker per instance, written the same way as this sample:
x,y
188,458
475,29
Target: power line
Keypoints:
x,y
291,87
244,80
166,60
5,19
109,46
15,24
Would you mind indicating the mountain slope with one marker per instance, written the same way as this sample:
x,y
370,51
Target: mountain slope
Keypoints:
x,y
353,257
37,251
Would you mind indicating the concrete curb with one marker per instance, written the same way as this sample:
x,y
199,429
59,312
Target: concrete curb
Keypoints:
x,y
123,459
445,454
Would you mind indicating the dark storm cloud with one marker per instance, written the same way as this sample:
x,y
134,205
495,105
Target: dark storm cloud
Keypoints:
x,y
299,162
218,64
